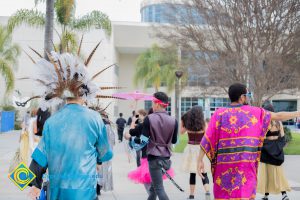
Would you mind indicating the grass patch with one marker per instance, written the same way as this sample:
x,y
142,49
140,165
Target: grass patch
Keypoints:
x,y
293,147
183,140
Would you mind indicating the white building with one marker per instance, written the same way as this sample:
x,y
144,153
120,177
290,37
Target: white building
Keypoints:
x,y
128,40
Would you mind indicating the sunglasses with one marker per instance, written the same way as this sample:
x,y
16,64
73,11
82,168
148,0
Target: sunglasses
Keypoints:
x,y
249,94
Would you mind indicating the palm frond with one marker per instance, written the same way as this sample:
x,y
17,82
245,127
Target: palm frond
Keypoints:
x,y
7,73
32,18
96,18
97,74
86,63
65,10
68,42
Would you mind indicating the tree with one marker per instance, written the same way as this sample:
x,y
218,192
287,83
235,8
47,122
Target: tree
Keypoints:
x,y
65,17
48,39
254,42
8,58
156,67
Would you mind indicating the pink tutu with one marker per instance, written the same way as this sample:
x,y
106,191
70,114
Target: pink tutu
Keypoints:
x,y
142,174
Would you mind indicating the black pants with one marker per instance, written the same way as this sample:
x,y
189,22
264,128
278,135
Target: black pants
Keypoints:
x,y
157,187
120,134
138,157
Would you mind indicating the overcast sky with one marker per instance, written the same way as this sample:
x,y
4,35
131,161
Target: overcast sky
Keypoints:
x,y
117,10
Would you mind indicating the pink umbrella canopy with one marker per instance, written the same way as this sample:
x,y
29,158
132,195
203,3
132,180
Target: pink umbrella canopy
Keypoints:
x,y
136,96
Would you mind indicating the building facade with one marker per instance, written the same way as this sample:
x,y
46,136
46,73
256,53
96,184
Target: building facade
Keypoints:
x,y
127,41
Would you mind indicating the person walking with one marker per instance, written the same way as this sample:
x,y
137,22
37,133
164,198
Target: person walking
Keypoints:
x,y
271,177
192,123
233,141
121,123
161,129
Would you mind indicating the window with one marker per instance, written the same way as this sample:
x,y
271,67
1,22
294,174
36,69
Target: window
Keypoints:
x,y
285,105
218,103
164,13
188,102
148,105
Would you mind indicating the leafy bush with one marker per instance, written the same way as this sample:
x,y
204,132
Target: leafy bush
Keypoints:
x,y
288,134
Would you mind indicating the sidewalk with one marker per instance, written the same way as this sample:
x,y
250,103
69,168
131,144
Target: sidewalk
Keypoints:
x,y
124,189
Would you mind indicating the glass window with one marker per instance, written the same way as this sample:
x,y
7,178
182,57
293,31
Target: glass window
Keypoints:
x,y
164,13
188,102
285,105
218,103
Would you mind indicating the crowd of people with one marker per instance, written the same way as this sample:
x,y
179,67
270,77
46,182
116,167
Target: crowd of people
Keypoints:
x,y
74,145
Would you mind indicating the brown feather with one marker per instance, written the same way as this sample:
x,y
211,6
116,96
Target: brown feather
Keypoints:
x,y
31,98
36,52
108,97
60,66
86,63
55,67
38,80
102,110
79,48
68,73
111,88
97,74
54,46
30,57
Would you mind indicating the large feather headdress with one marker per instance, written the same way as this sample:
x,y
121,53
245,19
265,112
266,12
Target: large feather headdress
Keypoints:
x,y
66,76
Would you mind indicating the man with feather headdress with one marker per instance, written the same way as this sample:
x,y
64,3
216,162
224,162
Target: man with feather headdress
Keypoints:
x,y
74,138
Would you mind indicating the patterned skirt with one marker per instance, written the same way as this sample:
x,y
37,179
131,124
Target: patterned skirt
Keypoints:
x,y
190,159
271,179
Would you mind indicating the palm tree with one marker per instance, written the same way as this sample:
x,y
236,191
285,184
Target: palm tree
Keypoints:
x,y
65,17
8,58
156,67
48,39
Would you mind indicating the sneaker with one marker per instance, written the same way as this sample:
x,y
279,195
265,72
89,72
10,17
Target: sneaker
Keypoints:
x,y
191,197
285,197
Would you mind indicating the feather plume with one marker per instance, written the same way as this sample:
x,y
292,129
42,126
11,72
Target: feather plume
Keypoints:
x,y
55,67
30,57
54,47
108,97
31,98
37,80
79,48
86,63
97,74
35,51
102,110
111,88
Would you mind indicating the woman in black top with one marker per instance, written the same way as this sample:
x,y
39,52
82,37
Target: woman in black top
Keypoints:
x,y
271,178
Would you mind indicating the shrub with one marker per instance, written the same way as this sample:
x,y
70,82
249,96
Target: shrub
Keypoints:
x,y
288,134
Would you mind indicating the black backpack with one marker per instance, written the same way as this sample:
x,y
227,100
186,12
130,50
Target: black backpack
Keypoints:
x,y
42,116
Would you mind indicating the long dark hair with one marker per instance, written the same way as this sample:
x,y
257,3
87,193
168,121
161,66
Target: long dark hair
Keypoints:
x,y
193,120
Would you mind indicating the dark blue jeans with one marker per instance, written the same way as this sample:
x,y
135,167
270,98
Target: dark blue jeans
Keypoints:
x,y
157,187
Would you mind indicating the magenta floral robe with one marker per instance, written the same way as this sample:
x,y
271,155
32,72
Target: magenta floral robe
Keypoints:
x,y
233,142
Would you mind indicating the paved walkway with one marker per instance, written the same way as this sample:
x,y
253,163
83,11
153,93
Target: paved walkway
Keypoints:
x,y
124,189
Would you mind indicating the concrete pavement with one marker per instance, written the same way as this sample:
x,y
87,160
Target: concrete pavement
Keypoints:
x,y
124,189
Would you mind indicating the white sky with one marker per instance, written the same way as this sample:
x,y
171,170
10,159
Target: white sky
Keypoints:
x,y
117,10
